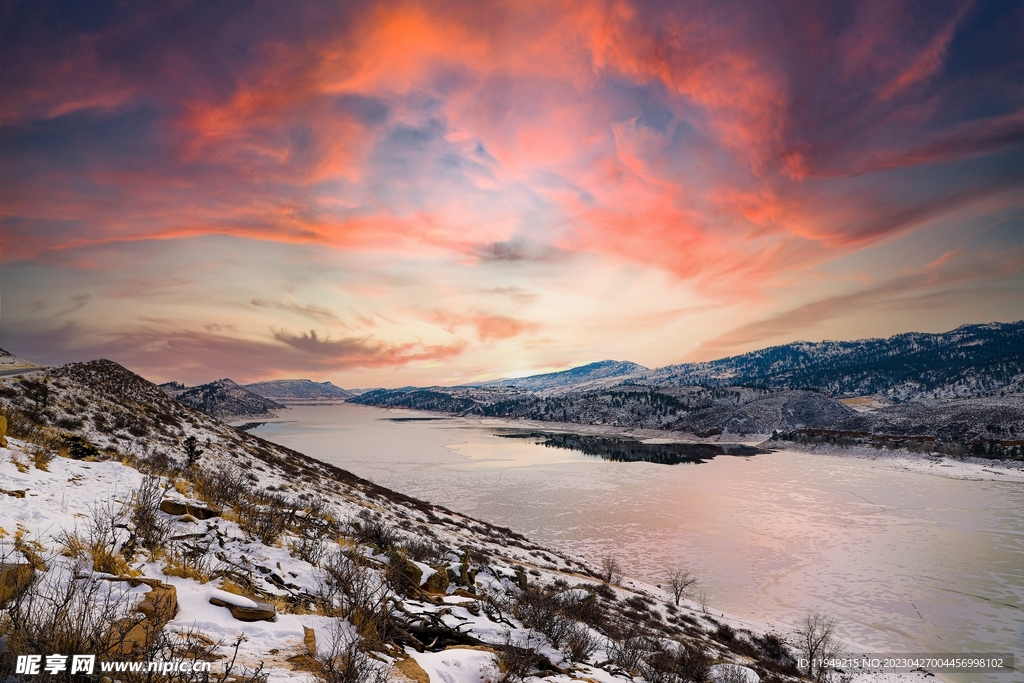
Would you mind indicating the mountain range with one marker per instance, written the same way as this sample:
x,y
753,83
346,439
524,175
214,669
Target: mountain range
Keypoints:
x,y
968,361
960,392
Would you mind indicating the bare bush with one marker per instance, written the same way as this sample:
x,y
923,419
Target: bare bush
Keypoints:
x,y
730,673
61,612
424,550
628,648
611,570
373,530
542,611
107,520
517,658
309,548
222,486
348,588
677,664
151,527
266,516
680,581
344,661
580,644
190,558
587,609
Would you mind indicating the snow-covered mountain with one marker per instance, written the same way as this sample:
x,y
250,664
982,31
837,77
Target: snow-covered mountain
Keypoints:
x,y
968,361
222,398
298,390
592,376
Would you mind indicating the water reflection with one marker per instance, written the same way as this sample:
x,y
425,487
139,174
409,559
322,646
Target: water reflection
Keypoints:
x,y
631,450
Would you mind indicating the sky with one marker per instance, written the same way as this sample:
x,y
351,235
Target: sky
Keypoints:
x,y
414,193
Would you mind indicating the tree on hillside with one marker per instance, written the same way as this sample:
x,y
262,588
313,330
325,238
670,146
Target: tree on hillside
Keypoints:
x,y
680,581
192,450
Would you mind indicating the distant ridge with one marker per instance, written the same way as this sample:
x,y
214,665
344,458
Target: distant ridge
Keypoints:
x,y
8,361
298,389
221,398
602,373
970,360
959,392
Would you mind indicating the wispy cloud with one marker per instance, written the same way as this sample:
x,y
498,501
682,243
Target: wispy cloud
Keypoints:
x,y
446,152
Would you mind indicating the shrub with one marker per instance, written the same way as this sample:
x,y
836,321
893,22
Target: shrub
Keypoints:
x,y
347,588
60,612
42,457
611,570
542,611
516,658
79,448
151,526
189,558
627,650
222,486
309,548
343,661
677,664
266,516
373,530
580,644
587,609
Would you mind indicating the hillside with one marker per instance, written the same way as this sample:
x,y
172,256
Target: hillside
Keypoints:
x,y
701,411
947,387
595,375
222,398
10,362
968,361
316,568
298,390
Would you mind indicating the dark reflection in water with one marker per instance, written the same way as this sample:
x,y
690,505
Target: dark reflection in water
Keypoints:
x,y
630,450
414,419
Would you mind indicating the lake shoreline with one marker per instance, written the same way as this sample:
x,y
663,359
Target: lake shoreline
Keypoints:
x,y
967,468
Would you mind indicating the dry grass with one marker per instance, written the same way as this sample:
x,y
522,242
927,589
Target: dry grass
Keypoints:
x,y
31,549
175,567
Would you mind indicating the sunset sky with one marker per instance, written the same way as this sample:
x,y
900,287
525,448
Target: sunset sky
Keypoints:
x,y
393,193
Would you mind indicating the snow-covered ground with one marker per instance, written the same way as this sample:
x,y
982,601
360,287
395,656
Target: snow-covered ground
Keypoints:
x,y
44,495
40,504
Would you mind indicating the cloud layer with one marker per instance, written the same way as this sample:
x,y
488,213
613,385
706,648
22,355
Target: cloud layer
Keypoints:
x,y
497,186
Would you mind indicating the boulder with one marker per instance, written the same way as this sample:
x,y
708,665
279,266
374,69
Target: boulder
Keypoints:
x,y
160,604
438,581
244,608
180,507
135,634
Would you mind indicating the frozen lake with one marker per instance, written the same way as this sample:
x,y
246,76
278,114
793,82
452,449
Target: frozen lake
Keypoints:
x,y
906,562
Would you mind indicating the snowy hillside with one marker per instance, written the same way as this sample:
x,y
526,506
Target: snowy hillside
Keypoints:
x,y
298,390
171,535
222,398
968,361
595,375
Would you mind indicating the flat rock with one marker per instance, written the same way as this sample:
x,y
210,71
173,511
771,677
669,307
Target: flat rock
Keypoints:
x,y
180,507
